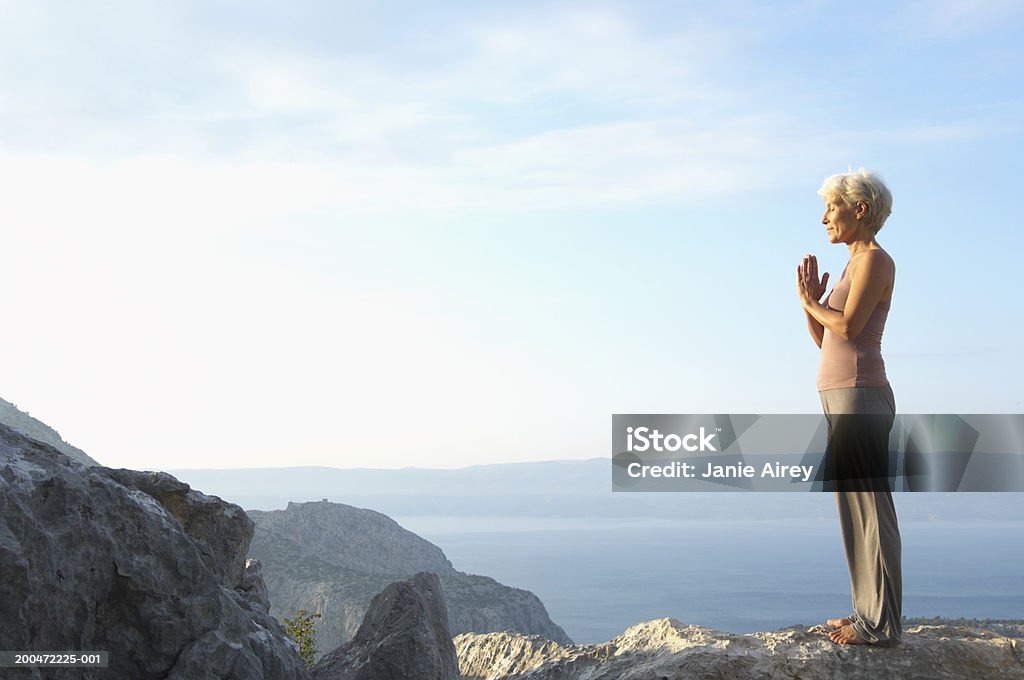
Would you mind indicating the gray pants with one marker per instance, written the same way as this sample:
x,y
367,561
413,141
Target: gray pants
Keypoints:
x,y
867,515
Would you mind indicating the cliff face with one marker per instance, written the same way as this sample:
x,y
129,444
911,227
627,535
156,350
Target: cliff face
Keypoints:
x,y
669,650
332,559
134,563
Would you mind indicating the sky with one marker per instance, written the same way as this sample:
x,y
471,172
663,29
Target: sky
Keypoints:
x,y
256,234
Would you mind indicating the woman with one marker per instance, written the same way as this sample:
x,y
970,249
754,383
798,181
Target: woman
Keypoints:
x,y
858,402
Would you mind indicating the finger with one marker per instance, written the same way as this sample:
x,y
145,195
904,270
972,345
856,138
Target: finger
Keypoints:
x,y
824,280
813,267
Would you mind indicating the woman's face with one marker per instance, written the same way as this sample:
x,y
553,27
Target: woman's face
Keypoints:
x,y
840,220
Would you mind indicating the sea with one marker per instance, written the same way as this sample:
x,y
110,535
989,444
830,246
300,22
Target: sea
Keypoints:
x,y
599,576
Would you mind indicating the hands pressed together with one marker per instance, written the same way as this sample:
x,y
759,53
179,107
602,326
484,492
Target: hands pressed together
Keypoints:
x,y
808,287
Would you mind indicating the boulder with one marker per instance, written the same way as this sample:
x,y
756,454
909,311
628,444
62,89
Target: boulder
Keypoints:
x,y
404,636
133,563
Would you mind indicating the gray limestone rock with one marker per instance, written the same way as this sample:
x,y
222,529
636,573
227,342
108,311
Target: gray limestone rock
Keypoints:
x,y
133,563
221,531
404,636
669,650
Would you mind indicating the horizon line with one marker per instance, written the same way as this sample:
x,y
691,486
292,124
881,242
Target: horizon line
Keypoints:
x,y
397,469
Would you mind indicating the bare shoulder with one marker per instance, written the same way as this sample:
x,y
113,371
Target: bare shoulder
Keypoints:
x,y
876,267
874,260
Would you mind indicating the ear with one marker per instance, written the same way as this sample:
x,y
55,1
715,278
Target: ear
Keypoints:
x,y
862,210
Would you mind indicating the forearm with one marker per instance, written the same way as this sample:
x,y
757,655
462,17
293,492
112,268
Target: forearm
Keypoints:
x,y
831,319
816,329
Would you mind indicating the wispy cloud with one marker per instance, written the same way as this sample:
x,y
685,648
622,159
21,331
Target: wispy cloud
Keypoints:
x,y
646,160
955,18
583,107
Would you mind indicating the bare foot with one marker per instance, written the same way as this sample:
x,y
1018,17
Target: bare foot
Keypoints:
x,y
846,636
839,623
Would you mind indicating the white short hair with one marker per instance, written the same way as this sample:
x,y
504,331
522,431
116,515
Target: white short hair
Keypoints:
x,y
861,186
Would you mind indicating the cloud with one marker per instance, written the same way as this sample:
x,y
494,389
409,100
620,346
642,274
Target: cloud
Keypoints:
x,y
672,158
597,58
547,108
955,18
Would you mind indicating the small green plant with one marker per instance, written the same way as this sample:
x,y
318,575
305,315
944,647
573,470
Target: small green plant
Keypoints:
x,y
302,629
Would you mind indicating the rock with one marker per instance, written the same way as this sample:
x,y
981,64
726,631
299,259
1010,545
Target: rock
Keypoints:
x,y
19,421
669,650
253,586
221,531
404,636
137,564
507,654
481,604
331,559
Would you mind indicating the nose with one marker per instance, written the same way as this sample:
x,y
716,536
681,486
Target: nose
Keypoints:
x,y
824,218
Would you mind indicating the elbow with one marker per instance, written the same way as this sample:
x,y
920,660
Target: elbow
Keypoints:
x,y
847,332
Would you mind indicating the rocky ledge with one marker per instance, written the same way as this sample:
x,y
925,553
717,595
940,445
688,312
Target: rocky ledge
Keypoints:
x,y
666,649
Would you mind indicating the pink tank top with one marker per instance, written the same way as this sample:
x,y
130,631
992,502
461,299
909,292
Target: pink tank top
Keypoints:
x,y
856,362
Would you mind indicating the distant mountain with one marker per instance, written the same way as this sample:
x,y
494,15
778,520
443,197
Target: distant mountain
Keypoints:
x,y
19,421
332,559
352,539
402,491
558,488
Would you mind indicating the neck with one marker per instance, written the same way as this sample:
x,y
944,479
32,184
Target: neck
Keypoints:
x,y
862,243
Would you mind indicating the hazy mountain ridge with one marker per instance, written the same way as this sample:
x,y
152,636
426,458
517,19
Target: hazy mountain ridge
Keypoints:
x,y
562,488
332,558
